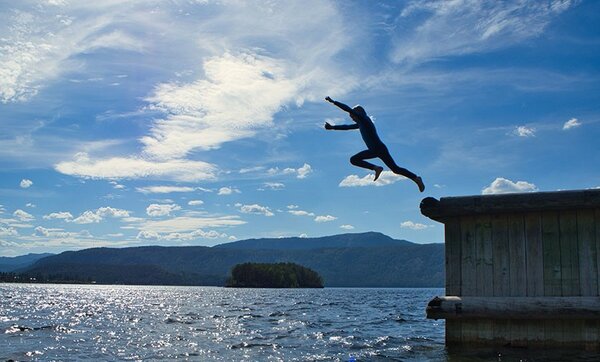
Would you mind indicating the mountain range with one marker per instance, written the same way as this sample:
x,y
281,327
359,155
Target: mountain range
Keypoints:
x,y
348,260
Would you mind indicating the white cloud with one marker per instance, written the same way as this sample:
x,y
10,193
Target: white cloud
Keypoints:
x,y
251,169
504,186
303,236
572,123
253,60
524,131
239,95
301,172
301,213
413,225
185,224
161,209
164,189
99,214
23,216
450,28
117,185
346,227
42,42
304,171
136,167
148,235
25,183
292,207
255,209
272,186
60,233
195,202
29,204
386,178
65,215
197,234
325,218
228,191
9,231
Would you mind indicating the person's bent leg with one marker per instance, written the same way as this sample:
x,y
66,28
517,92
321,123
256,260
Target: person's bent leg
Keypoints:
x,y
359,159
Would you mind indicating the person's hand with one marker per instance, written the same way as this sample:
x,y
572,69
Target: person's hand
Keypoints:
x,y
328,126
328,99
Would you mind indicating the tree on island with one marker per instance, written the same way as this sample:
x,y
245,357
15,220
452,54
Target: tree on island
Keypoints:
x,y
279,275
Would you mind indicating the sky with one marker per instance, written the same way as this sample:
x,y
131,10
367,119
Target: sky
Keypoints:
x,y
129,123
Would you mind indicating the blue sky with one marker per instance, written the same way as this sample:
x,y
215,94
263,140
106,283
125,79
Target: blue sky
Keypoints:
x,y
131,123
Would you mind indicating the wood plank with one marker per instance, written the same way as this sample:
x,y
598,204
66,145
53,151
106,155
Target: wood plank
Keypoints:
x,y
518,333
453,256
586,244
475,307
509,203
484,265
551,252
535,332
517,255
591,337
569,262
453,332
500,255
535,254
468,256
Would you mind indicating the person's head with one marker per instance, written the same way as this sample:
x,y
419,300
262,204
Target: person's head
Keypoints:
x,y
360,110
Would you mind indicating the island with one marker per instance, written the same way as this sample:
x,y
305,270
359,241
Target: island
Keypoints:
x,y
277,275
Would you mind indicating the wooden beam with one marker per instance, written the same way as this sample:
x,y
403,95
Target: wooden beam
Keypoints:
x,y
439,210
503,308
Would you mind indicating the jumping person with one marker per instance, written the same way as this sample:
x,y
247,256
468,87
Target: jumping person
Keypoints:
x,y
375,148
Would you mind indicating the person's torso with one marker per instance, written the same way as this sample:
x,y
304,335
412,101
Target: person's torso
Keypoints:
x,y
369,133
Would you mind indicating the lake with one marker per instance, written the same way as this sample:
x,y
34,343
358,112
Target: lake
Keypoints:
x,y
74,322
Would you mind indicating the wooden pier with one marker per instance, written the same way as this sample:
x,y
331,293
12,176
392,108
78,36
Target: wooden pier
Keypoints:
x,y
521,269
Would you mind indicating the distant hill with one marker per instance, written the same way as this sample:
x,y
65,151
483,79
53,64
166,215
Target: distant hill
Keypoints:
x,y
349,260
9,264
369,239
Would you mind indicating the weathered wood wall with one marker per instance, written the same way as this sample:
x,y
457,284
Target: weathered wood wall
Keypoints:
x,y
533,252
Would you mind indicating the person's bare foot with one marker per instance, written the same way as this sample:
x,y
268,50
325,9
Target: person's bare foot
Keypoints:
x,y
378,171
420,183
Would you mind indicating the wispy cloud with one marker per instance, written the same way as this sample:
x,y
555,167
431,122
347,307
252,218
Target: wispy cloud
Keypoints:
x,y
469,26
524,131
167,189
572,123
137,167
185,224
325,218
504,186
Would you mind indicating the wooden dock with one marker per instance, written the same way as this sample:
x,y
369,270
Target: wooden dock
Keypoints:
x,y
521,269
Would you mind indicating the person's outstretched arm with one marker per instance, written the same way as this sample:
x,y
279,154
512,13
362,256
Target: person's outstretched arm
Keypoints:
x,y
341,127
341,105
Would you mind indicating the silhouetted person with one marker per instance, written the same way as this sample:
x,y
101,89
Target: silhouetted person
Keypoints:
x,y
375,148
